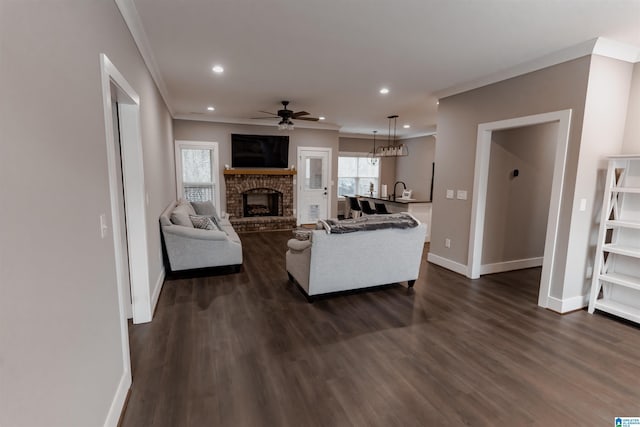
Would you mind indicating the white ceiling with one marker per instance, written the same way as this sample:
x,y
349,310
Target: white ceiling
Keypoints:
x,y
331,57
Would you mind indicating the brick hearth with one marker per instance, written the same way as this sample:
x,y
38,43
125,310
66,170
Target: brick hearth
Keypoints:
x,y
241,180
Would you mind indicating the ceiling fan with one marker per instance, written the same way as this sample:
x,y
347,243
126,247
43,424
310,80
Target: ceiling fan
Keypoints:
x,y
286,115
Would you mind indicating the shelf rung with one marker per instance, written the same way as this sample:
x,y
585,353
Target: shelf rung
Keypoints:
x,y
625,190
618,309
623,223
622,280
622,250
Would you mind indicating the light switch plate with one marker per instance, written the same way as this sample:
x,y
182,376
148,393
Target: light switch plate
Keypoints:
x,y
449,194
462,195
583,205
103,226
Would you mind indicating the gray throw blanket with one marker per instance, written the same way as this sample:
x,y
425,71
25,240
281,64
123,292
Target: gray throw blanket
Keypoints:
x,y
369,222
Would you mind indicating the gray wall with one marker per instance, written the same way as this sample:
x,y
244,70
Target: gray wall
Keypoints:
x,y
61,352
551,89
415,169
221,133
563,86
518,207
632,128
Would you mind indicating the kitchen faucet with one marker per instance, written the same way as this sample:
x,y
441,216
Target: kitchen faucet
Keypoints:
x,y
394,188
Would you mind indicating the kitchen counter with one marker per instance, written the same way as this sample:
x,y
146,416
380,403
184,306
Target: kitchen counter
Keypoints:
x,y
420,209
398,200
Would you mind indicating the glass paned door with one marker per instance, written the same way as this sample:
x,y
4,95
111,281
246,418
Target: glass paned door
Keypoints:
x,y
313,192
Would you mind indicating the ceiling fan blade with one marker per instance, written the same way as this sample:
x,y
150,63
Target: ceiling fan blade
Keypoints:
x,y
300,113
311,119
268,112
275,117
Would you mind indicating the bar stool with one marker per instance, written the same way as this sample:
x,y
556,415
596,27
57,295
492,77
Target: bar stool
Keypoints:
x,y
356,211
366,207
381,208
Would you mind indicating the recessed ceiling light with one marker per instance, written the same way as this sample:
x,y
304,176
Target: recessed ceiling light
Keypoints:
x,y
437,102
406,126
210,108
321,117
384,91
218,69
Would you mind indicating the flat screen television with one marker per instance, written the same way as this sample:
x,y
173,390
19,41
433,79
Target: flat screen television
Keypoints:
x,y
259,151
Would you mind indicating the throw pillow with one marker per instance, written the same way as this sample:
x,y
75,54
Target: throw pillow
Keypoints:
x,y
208,209
202,222
203,208
302,233
187,205
180,216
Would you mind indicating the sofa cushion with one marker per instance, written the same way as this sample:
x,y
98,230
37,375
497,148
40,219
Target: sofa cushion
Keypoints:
x,y
202,222
207,208
180,216
298,245
188,206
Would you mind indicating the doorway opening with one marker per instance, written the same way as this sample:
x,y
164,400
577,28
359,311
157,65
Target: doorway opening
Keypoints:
x,y
559,123
127,195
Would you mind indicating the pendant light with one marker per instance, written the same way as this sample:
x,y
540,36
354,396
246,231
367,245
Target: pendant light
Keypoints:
x,y
372,154
392,149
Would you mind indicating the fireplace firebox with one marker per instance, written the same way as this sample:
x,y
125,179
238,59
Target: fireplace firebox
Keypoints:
x,y
261,202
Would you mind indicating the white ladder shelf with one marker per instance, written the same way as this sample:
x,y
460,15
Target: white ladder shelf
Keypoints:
x,y
615,287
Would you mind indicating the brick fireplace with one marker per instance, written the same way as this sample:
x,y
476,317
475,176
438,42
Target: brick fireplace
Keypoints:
x,y
260,199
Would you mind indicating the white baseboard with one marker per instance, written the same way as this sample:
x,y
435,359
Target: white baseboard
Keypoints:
x,y
517,264
117,404
447,263
157,289
568,304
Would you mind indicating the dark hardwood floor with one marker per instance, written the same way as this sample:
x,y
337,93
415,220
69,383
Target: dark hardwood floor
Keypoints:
x,y
247,349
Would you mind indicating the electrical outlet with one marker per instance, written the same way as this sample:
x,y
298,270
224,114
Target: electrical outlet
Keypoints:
x,y
449,194
447,243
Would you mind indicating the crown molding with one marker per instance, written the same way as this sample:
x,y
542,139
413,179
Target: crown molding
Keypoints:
x,y
302,124
429,132
132,20
617,50
578,51
598,46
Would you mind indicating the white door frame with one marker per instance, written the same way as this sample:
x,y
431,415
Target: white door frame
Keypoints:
x,y
329,151
480,180
135,211
179,144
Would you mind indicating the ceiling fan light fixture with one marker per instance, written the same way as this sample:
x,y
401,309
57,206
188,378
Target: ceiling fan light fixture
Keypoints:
x,y
285,124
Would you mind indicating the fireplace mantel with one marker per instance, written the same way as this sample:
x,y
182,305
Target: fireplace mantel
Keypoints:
x,y
259,172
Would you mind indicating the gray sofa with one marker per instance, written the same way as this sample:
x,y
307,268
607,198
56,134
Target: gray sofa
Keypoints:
x,y
189,247
330,263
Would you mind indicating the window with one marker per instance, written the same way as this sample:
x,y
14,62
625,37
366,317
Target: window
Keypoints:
x,y
197,171
356,173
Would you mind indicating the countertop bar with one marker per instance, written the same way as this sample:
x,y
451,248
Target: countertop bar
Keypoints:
x,y
398,200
